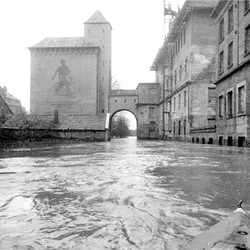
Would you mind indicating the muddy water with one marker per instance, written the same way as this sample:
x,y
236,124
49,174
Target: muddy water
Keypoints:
x,y
125,194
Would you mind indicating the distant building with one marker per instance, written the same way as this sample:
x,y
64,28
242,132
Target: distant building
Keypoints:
x,y
13,103
184,68
233,72
4,110
148,110
72,75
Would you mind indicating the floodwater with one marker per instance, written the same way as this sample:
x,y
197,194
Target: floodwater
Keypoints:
x,y
124,194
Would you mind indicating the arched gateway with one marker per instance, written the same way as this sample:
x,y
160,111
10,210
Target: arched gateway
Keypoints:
x,y
123,100
142,103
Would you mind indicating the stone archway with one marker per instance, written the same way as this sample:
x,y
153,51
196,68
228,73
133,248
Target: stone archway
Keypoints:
x,y
134,126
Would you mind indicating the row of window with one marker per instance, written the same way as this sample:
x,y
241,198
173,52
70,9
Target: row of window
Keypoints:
x,y
178,129
179,102
177,74
227,104
230,20
230,51
230,24
229,58
180,41
125,100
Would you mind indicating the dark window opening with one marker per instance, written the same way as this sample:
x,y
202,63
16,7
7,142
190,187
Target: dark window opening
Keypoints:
x,y
230,104
203,141
221,30
184,127
230,19
247,39
197,140
221,102
221,62
230,141
210,141
230,55
241,141
241,99
221,140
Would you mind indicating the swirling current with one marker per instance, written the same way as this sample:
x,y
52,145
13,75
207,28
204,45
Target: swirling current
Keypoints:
x,y
123,194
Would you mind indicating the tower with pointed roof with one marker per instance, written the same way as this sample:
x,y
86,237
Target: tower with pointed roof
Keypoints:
x,y
72,75
98,30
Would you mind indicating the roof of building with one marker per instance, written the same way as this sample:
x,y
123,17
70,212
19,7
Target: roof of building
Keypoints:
x,y
6,95
147,84
187,8
177,23
96,18
64,42
162,56
122,92
2,102
220,5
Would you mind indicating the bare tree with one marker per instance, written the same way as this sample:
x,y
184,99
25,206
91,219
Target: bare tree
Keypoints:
x,y
120,126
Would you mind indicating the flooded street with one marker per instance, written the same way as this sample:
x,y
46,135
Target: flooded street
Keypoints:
x,y
125,194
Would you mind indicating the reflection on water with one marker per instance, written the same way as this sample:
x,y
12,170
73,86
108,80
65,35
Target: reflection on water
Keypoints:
x,y
125,194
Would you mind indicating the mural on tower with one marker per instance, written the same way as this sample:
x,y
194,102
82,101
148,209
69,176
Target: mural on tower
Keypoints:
x,y
62,86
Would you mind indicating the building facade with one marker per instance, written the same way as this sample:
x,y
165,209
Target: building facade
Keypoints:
x,y
73,74
148,110
233,72
184,68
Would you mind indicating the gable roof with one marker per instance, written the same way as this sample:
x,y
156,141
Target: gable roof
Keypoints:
x,y
64,42
4,106
97,18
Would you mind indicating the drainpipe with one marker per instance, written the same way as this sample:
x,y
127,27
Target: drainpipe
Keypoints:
x,y
163,103
238,31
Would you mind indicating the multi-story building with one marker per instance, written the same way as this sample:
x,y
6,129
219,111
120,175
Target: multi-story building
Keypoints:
x,y
233,72
148,110
185,68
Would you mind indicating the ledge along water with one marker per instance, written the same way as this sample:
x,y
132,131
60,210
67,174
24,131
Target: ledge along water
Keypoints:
x,y
123,194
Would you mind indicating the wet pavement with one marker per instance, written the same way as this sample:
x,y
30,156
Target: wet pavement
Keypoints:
x,y
124,194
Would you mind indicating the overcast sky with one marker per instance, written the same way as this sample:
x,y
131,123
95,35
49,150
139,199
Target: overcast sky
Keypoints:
x,y
138,33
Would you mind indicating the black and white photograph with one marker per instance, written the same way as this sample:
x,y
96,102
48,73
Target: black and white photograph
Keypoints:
x,y
125,125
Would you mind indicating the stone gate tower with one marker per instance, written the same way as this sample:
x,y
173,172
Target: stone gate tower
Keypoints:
x,y
72,75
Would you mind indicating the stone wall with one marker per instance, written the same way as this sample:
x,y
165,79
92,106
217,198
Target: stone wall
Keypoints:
x,y
42,134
